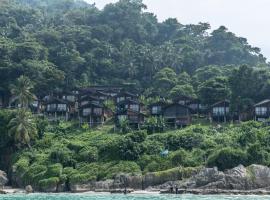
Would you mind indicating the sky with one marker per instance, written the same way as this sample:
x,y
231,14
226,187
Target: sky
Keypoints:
x,y
245,18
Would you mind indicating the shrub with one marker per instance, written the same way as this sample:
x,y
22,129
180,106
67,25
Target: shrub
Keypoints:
x,y
179,158
54,170
89,154
123,167
48,183
185,140
62,155
34,174
75,146
227,158
81,178
152,147
129,150
257,155
22,165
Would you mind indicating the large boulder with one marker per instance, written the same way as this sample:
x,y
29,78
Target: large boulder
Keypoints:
x,y
3,178
239,178
259,176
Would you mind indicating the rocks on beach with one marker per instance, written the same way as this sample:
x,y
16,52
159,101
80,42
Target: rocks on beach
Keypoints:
x,y
3,179
254,179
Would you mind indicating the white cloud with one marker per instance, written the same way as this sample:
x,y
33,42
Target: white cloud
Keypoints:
x,y
246,18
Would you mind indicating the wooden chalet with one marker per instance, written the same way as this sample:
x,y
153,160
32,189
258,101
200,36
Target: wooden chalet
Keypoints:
x,y
130,110
262,110
57,109
220,111
177,115
122,96
194,104
92,113
156,109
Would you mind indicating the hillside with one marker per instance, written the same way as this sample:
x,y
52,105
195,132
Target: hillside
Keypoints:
x,y
70,156
68,45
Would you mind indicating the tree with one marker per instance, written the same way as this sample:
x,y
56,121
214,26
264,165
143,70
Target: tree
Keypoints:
x,y
185,90
23,128
214,90
165,79
23,91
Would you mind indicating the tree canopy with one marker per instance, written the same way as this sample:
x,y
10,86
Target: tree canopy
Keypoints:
x,y
65,44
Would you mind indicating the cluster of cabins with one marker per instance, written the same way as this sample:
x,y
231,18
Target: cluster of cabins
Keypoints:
x,y
91,105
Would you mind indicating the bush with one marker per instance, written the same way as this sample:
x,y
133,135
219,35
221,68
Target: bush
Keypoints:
x,y
48,183
123,167
130,150
78,178
185,140
75,146
179,158
89,154
257,155
152,147
62,155
227,158
54,170
34,174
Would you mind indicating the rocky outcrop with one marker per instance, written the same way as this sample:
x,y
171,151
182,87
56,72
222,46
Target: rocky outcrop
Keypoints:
x,y
3,178
252,178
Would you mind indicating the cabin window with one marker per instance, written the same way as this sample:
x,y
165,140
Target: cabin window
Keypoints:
x,y
84,103
156,109
119,99
35,104
62,107
70,98
134,107
51,107
220,110
261,110
183,102
86,111
98,111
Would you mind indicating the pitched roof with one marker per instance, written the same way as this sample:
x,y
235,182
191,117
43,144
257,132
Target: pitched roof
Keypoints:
x,y
128,101
220,102
262,102
56,100
120,94
91,104
176,104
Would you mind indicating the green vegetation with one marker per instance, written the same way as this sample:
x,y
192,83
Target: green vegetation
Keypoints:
x,y
65,44
79,156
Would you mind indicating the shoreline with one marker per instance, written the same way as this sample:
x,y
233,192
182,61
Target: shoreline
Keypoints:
x,y
258,192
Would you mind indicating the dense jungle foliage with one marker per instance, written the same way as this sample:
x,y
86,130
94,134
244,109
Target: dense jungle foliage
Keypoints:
x,y
65,44
66,153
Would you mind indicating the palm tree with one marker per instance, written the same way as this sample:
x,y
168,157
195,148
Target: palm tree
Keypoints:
x,y
23,128
22,91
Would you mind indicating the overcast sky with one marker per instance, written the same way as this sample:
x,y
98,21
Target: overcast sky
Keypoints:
x,y
246,18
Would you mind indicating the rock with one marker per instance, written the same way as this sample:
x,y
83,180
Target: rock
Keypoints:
x,y
3,178
208,176
239,178
104,186
82,187
29,189
3,192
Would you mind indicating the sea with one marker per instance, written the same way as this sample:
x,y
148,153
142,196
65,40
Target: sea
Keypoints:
x,y
126,197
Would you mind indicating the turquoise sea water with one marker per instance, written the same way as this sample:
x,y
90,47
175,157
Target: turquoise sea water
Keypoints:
x,y
125,197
